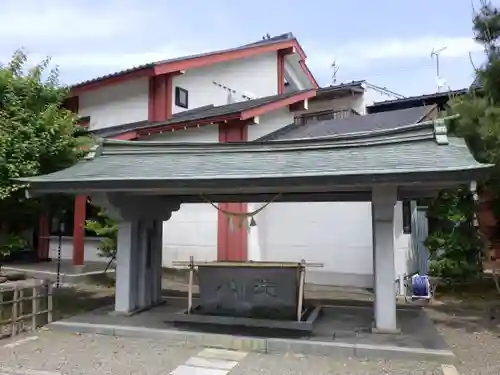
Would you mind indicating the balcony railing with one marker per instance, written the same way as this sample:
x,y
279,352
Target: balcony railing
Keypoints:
x,y
330,114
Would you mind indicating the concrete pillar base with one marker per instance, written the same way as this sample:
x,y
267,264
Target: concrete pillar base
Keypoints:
x,y
385,331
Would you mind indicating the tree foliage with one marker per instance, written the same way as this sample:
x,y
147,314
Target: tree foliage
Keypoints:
x,y
479,121
107,230
37,135
454,244
456,249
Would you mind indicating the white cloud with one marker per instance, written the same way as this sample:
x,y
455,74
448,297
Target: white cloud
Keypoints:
x,y
109,60
56,20
361,53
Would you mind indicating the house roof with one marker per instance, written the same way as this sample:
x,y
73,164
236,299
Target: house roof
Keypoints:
x,y
351,124
341,89
210,114
112,131
439,98
408,154
282,41
351,87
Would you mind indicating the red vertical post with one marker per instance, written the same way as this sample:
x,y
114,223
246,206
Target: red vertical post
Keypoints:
x,y
160,98
43,238
79,230
232,243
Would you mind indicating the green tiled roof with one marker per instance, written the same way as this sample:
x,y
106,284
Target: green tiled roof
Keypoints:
x,y
412,153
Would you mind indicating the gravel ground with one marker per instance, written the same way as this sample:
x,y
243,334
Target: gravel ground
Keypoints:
x,y
267,364
65,353
473,335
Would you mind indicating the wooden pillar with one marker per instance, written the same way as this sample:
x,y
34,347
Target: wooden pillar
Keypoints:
x,y
160,98
281,71
232,243
79,230
43,238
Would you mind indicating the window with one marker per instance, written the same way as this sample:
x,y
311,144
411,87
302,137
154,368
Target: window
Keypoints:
x,y
181,97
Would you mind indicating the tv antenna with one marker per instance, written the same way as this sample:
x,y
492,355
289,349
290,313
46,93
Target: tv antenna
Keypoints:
x,y
435,54
335,68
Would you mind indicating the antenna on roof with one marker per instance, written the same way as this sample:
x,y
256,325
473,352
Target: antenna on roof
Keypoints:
x,y
335,68
435,53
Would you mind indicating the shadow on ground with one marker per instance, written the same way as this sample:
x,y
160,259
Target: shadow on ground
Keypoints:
x,y
76,300
472,307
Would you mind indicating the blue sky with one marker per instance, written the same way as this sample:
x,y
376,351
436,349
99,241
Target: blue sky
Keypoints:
x,y
387,42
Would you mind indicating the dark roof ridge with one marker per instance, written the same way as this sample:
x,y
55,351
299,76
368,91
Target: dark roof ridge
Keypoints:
x,y
410,133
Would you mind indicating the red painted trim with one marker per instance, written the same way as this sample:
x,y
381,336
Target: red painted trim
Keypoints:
x,y
258,111
191,63
128,136
302,62
308,73
72,104
187,124
220,57
299,106
79,216
79,230
160,98
281,72
43,238
245,115
232,245
111,80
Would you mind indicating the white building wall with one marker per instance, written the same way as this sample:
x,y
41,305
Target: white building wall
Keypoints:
x,y
354,101
115,104
337,234
256,76
373,95
192,230
270,122
91,249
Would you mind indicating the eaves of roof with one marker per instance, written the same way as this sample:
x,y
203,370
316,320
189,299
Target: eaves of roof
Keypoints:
x,y
285,41
244,110
420,98
410,154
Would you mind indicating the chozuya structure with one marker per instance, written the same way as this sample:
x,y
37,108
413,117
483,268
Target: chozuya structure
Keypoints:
x,y
142,183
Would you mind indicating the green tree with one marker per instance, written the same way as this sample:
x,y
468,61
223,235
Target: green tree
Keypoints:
x,y
479,121
37,135
107,229
456,251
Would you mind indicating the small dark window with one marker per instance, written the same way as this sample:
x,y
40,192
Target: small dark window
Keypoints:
x,y
406,217
181,97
